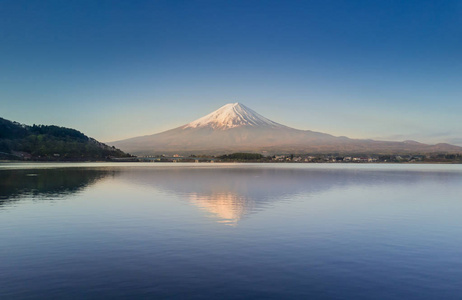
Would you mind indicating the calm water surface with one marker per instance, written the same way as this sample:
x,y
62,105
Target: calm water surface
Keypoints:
x,y
232,231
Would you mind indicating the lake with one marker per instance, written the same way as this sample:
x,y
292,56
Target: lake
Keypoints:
x,y
230,231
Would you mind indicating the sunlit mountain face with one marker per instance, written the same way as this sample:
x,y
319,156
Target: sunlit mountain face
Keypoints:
x,y
237,128
233,115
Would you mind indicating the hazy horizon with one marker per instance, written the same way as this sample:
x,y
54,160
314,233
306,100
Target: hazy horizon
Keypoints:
x,y
115,70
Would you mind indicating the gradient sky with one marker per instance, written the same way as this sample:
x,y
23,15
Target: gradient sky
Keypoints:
x,y
117,69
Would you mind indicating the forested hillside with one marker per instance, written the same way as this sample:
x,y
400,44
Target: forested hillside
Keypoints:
x,y
49,142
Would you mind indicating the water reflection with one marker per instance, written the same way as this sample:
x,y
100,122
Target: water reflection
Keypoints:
x,y
227,193
304,232
231,194
228,207
38,183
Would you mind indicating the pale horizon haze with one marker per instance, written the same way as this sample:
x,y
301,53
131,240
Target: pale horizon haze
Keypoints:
x,y
389,70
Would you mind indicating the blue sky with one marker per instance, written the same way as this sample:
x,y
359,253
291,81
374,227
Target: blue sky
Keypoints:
x,y
117,69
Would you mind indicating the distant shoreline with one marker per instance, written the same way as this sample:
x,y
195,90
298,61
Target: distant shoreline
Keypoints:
x,y
236,162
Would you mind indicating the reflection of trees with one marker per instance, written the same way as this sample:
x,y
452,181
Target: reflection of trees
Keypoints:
x,y
15,184
229,193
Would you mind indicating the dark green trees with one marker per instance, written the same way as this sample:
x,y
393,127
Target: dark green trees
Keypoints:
x,y
43,142
242,156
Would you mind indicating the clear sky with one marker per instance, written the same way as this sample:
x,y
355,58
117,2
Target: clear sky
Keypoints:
x,y
117,69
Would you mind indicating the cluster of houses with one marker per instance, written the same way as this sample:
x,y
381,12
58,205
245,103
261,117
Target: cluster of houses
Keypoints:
x,y
348,159
323,158
320,158
175,158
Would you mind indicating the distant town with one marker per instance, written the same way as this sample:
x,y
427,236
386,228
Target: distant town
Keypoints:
x,y
307,158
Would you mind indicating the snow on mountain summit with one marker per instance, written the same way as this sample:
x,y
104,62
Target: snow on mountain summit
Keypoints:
x,y
236,128
230,116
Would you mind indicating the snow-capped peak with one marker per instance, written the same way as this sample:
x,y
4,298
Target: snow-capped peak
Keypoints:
x,y
230,116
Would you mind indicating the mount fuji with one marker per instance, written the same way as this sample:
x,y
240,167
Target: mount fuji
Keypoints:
x,y
237,128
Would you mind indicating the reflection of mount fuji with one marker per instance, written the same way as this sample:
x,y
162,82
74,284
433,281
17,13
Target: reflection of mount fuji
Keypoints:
x,y
231,193
228,207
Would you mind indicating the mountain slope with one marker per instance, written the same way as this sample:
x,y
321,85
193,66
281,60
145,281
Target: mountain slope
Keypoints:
x,y
236,128
232,115
50,143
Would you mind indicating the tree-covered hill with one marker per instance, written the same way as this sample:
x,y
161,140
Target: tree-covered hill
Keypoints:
x,y
49,142
242,157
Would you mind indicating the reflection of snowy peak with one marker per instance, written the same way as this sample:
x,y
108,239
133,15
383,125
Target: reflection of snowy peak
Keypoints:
x,y
230,116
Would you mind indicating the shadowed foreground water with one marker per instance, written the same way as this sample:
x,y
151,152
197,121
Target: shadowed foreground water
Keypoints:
x,y
204,231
